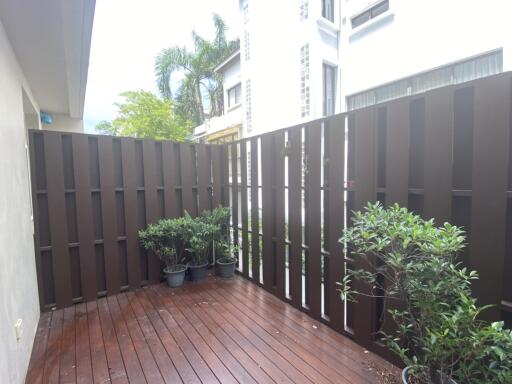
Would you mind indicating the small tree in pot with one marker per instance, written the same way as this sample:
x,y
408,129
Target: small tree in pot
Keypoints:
x,y
412,263
160,238
227,257
199,246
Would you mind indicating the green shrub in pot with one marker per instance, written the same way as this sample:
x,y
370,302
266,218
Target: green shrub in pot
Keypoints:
x,y
161,239
200,246
413,267
227,257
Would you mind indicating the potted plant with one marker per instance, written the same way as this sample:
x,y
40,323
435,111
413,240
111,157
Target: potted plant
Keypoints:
x,y
159,238
411,265
199,246
227,258
218,218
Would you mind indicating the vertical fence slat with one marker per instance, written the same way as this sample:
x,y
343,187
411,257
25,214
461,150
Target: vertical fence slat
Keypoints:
x,y
234,190
186,179
217,175
150,196
244,208
488,205
397,153
295,214
35,218
313,217
255,235
108,214
279,212
267,202
224,176
130,211
335,152
437,198
170,169
84,216
365,191
202,178
57,218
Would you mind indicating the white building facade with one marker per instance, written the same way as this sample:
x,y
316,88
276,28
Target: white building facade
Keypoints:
x,y
304,59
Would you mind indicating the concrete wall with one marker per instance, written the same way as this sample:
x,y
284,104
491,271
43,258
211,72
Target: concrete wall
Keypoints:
x,y
18,283
64,123
232,77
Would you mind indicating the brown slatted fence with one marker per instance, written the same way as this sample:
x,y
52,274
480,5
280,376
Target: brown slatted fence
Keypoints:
x,y
444,154
91,196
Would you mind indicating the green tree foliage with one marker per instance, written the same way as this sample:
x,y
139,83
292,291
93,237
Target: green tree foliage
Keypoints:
x,y
143,114
200,84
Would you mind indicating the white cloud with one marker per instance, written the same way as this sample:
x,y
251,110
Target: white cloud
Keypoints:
x,y
127,36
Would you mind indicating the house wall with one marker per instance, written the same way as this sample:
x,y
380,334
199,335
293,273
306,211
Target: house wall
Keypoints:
x,y
64,123
231,78
414,36
18,283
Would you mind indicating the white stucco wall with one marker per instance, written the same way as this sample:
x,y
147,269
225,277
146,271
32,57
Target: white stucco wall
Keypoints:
x,y
64,123
232,77
414,36
18,283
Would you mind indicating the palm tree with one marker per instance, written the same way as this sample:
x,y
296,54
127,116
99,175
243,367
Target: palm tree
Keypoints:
x,y
200,84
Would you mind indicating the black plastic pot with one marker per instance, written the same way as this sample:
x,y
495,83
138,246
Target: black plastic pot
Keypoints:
x,y
405,376
198,272
225,269
175,278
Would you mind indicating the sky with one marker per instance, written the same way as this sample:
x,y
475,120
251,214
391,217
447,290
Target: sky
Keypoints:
x,y
128,35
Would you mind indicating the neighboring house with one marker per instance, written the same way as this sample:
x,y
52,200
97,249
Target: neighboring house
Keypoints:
x,y
44,55
228,126
305,59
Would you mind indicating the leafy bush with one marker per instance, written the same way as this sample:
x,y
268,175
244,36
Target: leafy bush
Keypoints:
x,y
161,238
226,252
200,240
412,265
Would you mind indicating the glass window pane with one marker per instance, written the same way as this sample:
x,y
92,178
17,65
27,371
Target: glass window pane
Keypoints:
x,y
380,8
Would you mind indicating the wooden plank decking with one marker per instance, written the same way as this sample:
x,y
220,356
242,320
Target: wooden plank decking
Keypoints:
x,y
211,332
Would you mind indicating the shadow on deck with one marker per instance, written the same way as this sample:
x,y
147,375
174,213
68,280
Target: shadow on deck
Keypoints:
x,y
211,332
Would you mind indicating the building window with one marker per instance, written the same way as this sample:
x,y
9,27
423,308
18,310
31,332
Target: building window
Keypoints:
x,y
455,73
304,80
329,89
328,9
370,13
247,43
248,112
303,9
234,95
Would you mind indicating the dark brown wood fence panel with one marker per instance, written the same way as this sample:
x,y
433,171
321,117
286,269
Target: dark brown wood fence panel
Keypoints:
x,y
437,198
234,191
335,213
150,196
186,164
295,214
203,178
170,169
279,212
84,215
365,191
268,209
216,156
224,175
108,215
490,180
130,211
397,153
243,207
57,219
91,196
313,220
255,214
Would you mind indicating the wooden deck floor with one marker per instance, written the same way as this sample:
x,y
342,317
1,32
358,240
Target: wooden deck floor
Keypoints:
x,y
211,332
